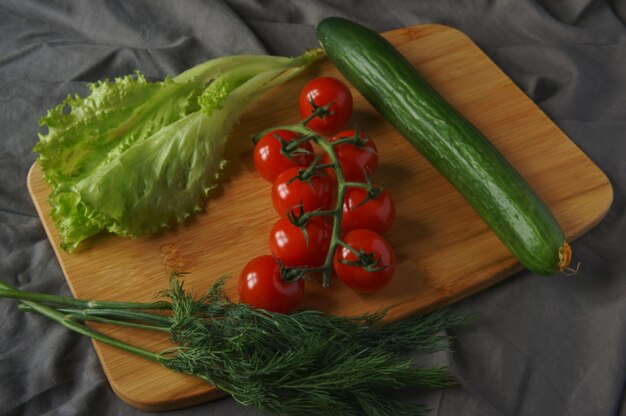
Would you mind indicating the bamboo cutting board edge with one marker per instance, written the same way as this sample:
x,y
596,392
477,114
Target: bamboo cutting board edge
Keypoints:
x,y
446,294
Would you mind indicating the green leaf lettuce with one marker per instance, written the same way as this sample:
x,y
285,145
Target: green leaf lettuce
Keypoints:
x,y
135,156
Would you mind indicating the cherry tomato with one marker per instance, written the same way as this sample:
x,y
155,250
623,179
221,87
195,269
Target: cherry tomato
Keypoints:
x,y
373,245
354,159
289,245
261,286
376,214
320,92
317,193
270,162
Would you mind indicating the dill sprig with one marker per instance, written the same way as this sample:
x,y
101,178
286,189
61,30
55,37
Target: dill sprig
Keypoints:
x,y
305,363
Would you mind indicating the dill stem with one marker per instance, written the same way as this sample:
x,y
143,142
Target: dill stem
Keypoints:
x,y
146,320
7,291
117,323
81,317
69,323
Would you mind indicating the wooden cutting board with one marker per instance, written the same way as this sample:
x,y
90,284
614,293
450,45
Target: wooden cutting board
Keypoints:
x,y
445,252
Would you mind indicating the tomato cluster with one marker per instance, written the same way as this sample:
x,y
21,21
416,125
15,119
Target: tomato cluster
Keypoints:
x,y
315,231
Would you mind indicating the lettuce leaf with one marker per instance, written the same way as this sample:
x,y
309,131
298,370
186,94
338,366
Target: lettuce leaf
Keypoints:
x,y
134,157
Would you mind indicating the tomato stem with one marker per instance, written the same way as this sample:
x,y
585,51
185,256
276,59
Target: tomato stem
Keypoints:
x,y
317,112
343,140
322,166
300,128
306,135
337,212
367,186
297,142
325,213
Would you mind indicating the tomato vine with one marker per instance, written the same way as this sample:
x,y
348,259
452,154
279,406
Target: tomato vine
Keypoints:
x,y
349,160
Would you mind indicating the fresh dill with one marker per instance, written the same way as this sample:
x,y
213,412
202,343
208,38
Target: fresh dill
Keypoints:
x,y
305,363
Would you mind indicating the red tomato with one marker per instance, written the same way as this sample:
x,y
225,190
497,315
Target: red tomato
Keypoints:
x,y
354,159
377,214
374,246
318,193
320,92
261,286
289,245
270,162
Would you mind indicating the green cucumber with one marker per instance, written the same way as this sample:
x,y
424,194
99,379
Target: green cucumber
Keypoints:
x,y
499,194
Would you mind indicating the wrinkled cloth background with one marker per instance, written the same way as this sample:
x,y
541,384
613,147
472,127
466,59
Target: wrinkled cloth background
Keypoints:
x,y
539,346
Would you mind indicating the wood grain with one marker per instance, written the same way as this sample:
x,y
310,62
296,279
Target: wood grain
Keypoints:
x,y
445,252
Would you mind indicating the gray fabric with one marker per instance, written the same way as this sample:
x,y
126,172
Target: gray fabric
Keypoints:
x,y
540,346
